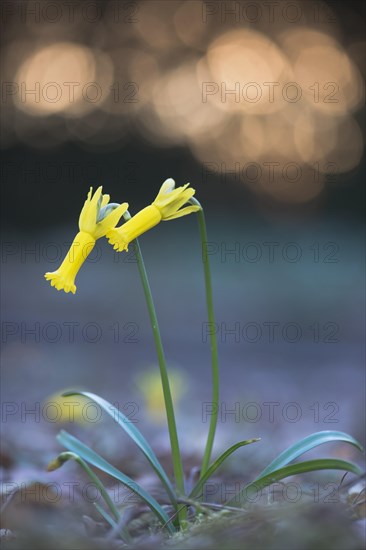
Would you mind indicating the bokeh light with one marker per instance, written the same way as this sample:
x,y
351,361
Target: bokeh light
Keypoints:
x,y
244,64
236,89
41,74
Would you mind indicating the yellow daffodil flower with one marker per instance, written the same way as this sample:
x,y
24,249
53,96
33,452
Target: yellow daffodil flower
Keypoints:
x,y
97,217
166,206
149,384
62,409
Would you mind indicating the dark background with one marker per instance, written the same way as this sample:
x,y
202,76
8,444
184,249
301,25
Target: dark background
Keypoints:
x,y
34,178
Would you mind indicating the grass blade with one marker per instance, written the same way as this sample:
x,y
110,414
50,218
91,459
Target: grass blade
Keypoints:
x,y
310,466
305,445
135,435
76,446
196,491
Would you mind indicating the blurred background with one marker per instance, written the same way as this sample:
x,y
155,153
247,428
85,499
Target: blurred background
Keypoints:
x,y
260,106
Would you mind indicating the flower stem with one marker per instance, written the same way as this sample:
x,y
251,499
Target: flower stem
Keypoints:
x,y
213,339
177,461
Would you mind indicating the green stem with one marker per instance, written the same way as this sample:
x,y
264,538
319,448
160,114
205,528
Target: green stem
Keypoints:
x,y
213,339
177,461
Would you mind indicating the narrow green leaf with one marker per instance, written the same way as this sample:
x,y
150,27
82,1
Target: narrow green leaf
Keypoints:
x,y
125,536
307,444
76,446
310,466
106,516
135,435
196,491
64,457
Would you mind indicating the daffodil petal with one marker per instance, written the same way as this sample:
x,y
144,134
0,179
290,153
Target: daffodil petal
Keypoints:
x,y
113,217
110,221
105,200
179,202
167,186
170,202
88,215
172,196
106,210
95,199
85,210
183,212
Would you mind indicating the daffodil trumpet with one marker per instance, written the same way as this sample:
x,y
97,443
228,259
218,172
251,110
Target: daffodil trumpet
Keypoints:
x,y
97,217
167,206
